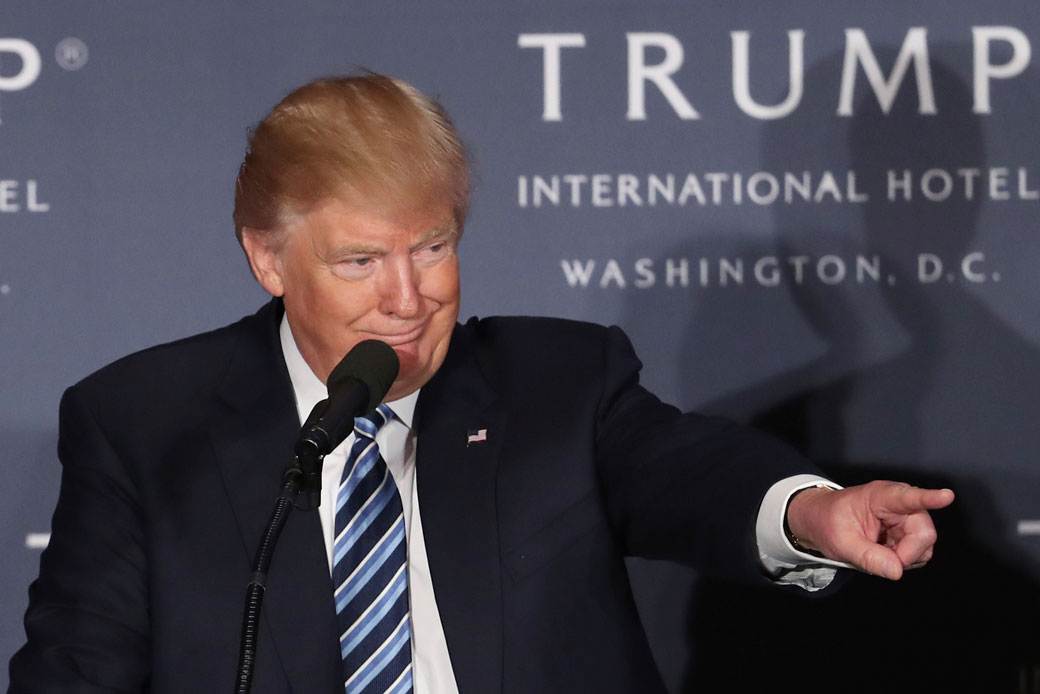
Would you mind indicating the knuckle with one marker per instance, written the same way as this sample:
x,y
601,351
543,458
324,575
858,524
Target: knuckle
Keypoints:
x,y
869,561
928,536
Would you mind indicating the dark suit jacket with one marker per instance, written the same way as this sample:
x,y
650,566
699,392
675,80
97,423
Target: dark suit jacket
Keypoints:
x,y
173,456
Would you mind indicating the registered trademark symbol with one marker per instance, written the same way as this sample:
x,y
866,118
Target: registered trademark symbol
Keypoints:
x,y
71,53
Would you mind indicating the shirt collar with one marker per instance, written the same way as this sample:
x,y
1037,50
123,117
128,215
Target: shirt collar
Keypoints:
x,y
309,390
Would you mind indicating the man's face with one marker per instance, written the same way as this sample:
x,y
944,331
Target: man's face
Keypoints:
x,y
347,274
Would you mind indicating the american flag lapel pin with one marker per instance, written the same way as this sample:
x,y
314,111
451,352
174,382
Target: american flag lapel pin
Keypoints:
x,y
475,436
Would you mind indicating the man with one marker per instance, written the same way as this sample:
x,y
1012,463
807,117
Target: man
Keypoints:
x,y
525,461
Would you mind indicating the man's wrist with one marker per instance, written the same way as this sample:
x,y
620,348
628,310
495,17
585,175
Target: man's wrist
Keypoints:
x,y
797,501
776,553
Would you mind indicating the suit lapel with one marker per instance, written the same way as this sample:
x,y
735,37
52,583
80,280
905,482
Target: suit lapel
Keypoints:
x,y
253,442
457,481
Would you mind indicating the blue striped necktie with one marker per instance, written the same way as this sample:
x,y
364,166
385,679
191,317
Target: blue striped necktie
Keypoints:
x,y
369,569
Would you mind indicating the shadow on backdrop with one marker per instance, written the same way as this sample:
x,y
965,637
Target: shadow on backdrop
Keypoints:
x,y
915,381
969,622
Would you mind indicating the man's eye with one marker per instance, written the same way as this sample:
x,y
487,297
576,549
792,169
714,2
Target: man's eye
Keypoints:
x,y
359,262
434,249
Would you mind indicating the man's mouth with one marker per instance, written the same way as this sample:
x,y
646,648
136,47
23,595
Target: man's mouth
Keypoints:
x,y
400,338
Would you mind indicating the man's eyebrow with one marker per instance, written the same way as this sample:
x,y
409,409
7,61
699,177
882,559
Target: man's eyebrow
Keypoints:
x,y
355,249
441,232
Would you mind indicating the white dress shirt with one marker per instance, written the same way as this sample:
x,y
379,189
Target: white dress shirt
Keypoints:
x,y
431,664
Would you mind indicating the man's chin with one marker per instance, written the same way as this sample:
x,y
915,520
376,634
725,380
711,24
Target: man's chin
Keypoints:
x,y
419,361
406,382
401,389
408,357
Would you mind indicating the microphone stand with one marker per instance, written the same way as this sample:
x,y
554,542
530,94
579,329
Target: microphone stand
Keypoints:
x,y
300,477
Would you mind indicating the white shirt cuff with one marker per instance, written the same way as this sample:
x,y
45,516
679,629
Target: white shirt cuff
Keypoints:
x,y
780,558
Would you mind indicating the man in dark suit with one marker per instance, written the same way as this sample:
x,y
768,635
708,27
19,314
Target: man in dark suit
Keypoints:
x,y
538,459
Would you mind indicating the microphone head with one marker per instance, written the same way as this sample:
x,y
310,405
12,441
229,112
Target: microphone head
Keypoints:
x,y
370,362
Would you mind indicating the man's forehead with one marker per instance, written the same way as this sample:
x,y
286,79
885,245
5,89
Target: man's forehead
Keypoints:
x,y
345,222
358,211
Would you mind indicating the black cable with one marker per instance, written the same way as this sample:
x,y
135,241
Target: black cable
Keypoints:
x,y
258,580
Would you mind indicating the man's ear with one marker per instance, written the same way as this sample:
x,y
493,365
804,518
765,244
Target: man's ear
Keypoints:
x,y
263,259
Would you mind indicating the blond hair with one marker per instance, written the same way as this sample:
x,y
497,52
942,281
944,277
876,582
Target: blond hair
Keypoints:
x,y
372,138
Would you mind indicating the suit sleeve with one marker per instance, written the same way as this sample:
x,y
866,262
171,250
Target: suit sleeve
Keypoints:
x,y
87,622
684,487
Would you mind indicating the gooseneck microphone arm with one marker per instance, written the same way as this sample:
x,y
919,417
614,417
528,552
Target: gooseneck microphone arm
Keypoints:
x,y
258,580
356,386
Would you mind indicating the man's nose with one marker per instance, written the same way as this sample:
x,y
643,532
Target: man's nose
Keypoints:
x,y
400,290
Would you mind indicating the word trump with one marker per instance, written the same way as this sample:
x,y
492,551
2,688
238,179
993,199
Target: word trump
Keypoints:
x,y
913,55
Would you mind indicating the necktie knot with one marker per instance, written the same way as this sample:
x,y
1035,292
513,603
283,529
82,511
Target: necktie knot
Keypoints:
x,y
367,425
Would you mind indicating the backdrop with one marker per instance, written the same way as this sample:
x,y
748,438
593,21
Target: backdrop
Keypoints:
x,y
819,218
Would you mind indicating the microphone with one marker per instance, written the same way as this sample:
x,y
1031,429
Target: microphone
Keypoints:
x,y
356,386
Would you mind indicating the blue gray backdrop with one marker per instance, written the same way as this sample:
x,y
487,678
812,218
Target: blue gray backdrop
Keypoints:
x,y
816,217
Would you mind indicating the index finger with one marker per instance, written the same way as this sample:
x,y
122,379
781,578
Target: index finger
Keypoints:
x,y
907,499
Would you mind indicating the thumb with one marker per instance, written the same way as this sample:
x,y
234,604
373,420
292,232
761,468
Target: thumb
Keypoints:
x,y
875,559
